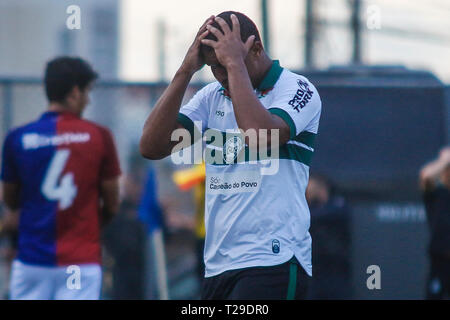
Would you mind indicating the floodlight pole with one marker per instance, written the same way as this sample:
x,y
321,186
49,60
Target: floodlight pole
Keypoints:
x,y
356,30
161,45
265,26
309,39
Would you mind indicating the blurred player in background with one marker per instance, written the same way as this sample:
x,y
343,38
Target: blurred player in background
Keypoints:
x,y
60,173
435,185
331,233
257,243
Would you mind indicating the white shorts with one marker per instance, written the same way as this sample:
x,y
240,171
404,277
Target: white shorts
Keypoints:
x,y
77,282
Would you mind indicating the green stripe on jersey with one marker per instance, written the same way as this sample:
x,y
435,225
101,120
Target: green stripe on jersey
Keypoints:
x,y
287,151
287,118
271,77
307,138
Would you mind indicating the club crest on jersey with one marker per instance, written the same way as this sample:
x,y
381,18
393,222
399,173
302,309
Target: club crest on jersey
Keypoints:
x,y
224,92
231,149
302,96
275,246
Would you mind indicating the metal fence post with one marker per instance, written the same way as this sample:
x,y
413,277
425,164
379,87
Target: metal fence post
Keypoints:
x,y
447,122
7,106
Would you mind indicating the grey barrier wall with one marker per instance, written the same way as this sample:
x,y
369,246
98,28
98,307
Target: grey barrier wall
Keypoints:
x,y
378,127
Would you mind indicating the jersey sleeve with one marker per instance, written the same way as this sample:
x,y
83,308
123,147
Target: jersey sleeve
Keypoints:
x,y
110,167
194,115
298,103
9,171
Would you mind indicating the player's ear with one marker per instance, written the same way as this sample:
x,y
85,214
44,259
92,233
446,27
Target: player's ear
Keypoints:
x,y
257,48
74,92
73,95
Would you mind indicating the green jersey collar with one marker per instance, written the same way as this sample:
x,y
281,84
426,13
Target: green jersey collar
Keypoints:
x,y
271,77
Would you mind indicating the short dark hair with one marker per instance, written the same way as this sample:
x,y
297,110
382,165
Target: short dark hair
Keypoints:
x,y
64,73
248,27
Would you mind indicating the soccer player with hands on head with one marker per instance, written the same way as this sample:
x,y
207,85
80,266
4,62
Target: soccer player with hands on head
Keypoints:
x,y
257,243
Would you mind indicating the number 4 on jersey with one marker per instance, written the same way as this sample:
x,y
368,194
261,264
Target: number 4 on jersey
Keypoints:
x,y
66,191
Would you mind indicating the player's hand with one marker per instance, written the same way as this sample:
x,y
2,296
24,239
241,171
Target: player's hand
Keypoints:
x,y
229,47
445,155
193,60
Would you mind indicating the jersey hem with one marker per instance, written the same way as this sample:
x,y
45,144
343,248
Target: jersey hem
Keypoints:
x,y
259,263
54,265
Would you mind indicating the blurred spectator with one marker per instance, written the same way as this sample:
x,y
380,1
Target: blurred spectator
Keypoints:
x,y
125,240
125,243
186,179
435,185
331,245
8,244
151,215
150,212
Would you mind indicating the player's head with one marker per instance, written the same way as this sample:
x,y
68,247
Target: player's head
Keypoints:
x,y
248,28
68,81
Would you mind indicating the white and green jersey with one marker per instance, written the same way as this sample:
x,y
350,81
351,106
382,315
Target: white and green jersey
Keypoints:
x,y
253,218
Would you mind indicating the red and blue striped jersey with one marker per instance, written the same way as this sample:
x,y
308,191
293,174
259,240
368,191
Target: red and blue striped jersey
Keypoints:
x,y
59,161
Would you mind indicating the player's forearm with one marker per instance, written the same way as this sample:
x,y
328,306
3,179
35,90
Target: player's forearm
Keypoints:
x,y
12,203
109,194
249,112
107,214
11,195
9,223
156,138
